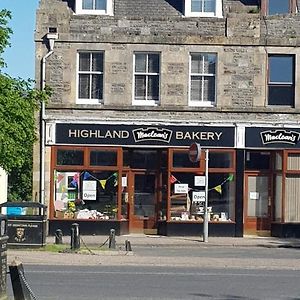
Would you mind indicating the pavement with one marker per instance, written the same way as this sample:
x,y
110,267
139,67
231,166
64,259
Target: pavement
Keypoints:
x,y
147,250
186,241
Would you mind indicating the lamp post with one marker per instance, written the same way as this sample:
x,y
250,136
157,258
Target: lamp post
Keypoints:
x,y
194,156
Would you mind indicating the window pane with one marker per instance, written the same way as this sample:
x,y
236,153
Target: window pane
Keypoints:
x,y
209,6
258,160
97,86
182,160
153,88
196,63
84,62
293,161
278,7
100,4
196,94
87,4
281,95
69,157
143,159
97,62
140,87
220,160
209,63
196,6
292,207
84,83
103,158
153,63
209,89
281,69
140,62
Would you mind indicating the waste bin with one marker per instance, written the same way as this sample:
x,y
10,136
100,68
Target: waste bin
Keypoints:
x,y
26,223
3,256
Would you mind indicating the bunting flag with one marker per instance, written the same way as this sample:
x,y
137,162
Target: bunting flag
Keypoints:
x,y
86,175
103,183
230,177
173,179
75,180
218,188
60,177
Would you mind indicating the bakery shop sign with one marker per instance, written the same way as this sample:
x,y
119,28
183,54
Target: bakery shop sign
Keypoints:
x,y
279,136
168,135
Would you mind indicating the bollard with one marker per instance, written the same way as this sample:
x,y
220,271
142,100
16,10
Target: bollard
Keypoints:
x,y
128,245
58,237
112,239
75,237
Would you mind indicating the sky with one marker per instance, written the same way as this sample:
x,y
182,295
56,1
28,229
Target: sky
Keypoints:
x,y
20,56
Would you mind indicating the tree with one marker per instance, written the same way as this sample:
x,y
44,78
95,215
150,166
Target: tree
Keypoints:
x,y
18,104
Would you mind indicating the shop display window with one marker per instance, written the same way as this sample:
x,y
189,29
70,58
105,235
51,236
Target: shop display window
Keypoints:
x,y
180,159
70,157
103,158
86,195
187,200
292,207
220,159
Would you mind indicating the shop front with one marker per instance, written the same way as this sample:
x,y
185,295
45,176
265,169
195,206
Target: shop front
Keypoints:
x,y
272,181
139,178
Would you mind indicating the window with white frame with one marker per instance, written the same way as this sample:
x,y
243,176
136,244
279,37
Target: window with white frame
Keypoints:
x,y
203,79
146,78
281,79
94,7
90,77
203,8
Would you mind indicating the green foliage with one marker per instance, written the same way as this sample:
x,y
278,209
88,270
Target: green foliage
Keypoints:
x,y
5,33
18,105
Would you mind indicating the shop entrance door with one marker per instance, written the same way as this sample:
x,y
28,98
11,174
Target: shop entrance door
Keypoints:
x,y
257,215
142,204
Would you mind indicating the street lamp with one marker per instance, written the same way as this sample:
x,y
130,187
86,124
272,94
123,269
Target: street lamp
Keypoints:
x,y
194,156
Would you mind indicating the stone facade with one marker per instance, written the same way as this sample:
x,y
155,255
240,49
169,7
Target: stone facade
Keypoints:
x,y
242,40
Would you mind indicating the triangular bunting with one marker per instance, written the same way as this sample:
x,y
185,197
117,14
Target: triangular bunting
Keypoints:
x,y
173,179
218,189
230,177
103,183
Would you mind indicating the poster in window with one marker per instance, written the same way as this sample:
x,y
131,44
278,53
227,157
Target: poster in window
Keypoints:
x,y
89,190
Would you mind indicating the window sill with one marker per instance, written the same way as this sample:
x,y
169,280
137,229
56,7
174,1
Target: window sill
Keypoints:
x,y
89,101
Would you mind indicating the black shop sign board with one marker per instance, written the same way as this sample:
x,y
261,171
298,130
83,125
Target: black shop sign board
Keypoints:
x,y
144,135
272,137
26,232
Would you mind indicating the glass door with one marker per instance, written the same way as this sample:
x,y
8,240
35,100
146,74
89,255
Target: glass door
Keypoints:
x,y
257,218
143,200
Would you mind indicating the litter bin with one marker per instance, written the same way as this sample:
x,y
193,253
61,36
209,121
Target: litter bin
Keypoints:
x,y
3,256
26,223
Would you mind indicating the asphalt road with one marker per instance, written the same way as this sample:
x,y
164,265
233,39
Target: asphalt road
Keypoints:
x,y
164,272
150,282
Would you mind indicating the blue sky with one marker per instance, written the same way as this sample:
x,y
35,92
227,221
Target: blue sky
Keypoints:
x,y
20,56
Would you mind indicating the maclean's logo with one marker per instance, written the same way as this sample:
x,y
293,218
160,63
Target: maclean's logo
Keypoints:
x,y
280,136
152,134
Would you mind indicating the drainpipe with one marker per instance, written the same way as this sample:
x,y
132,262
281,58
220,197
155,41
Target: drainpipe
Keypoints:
x,y
51,37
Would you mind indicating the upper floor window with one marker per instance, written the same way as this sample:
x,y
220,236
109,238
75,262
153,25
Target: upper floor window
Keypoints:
x,y
95,7
90,77
274,7
281,80
203,79
203,8
146,78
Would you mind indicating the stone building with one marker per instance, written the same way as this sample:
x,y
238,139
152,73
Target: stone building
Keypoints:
x,y
135,83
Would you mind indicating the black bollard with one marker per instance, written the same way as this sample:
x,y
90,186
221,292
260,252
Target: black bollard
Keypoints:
x,y
58,237
75,237
128,246
112,239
